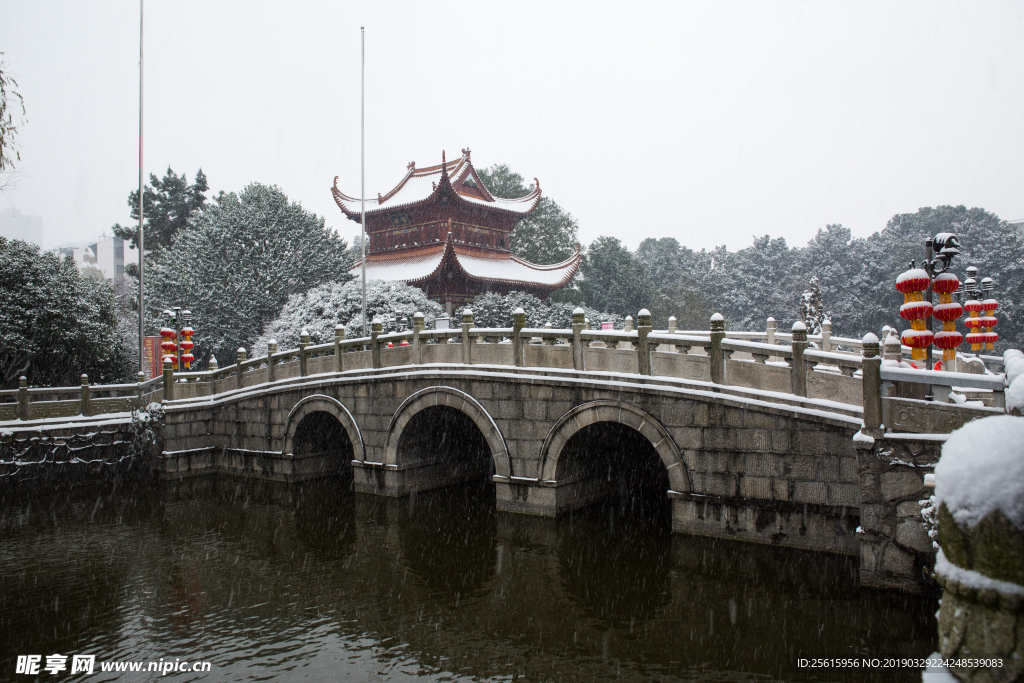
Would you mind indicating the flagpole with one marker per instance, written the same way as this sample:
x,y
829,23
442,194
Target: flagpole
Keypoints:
x,y
362,160
142,249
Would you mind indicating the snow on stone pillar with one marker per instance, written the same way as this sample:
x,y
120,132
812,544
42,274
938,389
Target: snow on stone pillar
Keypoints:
x,y
213,365
912,283
84,395
518,323
770,328
303,354
643,348
238,365
871,384
979,490
168,379
467,341
579,321
419,323
826,335
673,324
989,319
271,361
798,373
376,328
23,405
339,336
892,350
947,311
715,352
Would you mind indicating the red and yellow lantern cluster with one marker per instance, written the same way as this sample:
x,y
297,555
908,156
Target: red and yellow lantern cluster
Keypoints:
x,y
169,346
916,310
947,311
186,345
980,323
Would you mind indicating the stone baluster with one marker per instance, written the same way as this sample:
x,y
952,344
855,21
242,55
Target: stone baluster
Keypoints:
x,y
826,335
24,409
169,381
419,323
141,377
84,396
271,361
643,348
579,322
238,366
673,324
871,386
892,349
303,354
212,366
715,352
467,341
376,328
549,342
339,336
769,331
518,323
798,371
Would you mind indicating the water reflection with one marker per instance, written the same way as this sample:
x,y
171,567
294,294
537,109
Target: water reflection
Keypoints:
x,y
312,581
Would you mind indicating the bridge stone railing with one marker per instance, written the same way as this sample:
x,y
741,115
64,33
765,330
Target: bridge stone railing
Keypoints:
x,y
845,371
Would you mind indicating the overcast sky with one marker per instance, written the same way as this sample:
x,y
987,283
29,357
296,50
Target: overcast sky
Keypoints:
x,y
708,122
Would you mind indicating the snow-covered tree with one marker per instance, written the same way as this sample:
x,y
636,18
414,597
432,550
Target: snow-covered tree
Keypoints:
x,y
55,323
812,311
615,280
238,262
167,205
321,308
495,310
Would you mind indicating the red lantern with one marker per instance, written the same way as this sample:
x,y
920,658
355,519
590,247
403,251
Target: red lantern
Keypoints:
x,y
916,310
187,345
947,311
989,321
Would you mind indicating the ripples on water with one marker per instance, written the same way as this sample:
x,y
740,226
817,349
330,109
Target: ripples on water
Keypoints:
x,y
310,582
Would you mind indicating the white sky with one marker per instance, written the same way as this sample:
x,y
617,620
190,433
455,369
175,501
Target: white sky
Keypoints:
x,y
708,122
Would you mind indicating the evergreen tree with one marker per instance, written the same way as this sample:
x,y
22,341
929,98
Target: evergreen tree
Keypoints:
x,y
615,280
238,262
167,205
812,311
55,323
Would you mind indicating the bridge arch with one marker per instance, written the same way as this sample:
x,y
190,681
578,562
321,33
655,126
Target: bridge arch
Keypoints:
x,y
620,413
319,403
460,401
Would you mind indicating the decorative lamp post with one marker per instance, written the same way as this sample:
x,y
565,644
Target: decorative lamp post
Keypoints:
x,y
169,345
177,344
912,283
974,306
989,319
947,311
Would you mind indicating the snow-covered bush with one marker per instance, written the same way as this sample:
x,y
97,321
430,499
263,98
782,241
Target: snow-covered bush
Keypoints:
x,y
323,307
495,310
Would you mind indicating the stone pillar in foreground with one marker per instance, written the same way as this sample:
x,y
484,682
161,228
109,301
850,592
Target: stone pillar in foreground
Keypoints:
x,y
979,488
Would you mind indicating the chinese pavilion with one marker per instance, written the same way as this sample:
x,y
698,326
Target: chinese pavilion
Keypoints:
x,y
441,230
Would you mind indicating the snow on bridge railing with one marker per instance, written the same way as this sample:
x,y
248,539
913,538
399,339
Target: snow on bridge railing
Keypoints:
x,y
812,366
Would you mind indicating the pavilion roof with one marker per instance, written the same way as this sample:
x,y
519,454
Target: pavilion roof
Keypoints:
x,y
419,265
421,185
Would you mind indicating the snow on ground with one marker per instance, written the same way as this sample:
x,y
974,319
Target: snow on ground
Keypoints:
x,y
982,469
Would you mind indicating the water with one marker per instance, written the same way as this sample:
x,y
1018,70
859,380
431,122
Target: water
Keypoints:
x,y
311,583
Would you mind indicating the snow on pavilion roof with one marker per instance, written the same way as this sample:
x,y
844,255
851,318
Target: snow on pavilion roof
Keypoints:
x,y
422,264
423,184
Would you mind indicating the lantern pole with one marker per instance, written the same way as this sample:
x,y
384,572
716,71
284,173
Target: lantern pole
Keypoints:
x,y
362,160
930,267
142,243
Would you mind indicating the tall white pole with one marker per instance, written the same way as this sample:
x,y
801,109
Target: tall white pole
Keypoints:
x,y
142,244
362,160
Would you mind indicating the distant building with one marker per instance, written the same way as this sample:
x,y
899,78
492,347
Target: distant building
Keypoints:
x,y
1018,224
16,226
105,258
441,230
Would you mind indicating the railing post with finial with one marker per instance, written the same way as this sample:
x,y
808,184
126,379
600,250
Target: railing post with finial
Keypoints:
x,y
769,332
419,323
303,354
271,362
643,320
467,341
238,366
826,335
376,328
142,378
798,375
518,323
673,324
871,385
717,357
86,408
168,380
579,321
339,336
24,412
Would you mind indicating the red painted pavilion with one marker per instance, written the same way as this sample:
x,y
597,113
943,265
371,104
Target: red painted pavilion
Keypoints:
x,y
441,230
